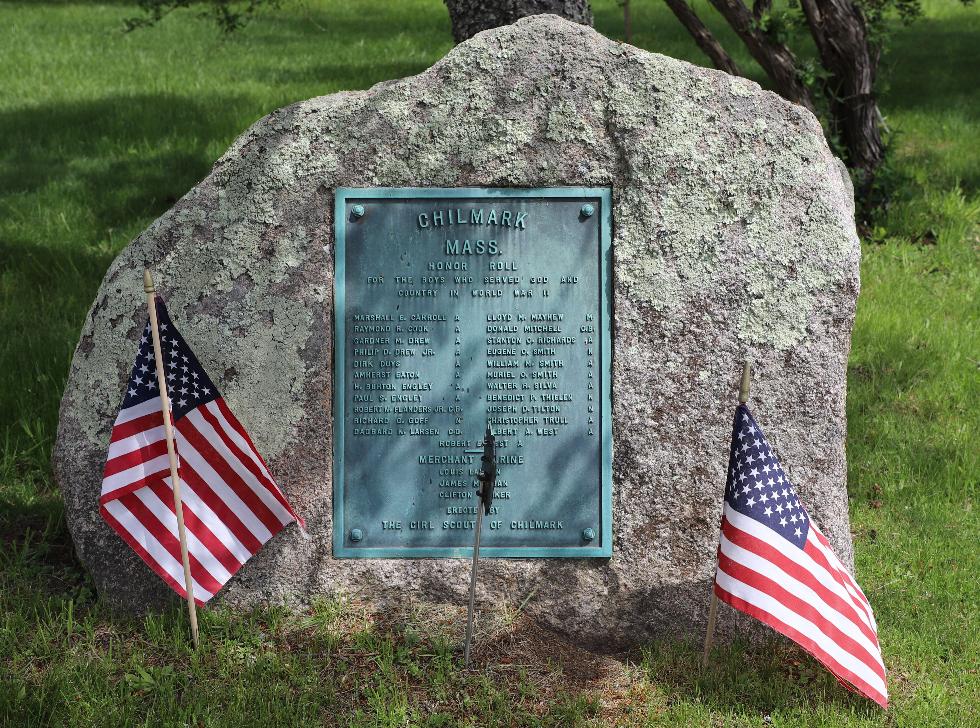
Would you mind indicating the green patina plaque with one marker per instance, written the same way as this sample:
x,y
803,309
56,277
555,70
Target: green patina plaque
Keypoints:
x,y
455,308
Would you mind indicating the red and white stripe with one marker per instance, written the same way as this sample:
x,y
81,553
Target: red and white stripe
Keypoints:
x,y
805,594
231,503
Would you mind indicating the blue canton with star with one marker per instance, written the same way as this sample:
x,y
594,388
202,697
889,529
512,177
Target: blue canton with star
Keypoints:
x,y
757,487
187,384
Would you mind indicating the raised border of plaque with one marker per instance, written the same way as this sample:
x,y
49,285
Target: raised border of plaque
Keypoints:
x,y
600,199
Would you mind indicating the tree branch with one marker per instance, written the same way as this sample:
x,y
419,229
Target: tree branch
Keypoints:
x,y
774,57
703,37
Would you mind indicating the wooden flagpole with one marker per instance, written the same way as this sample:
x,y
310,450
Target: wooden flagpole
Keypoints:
x,y
709,635
171,452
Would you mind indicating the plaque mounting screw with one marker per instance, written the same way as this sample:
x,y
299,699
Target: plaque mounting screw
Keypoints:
x,y
588,534
357,211
587,210
356,534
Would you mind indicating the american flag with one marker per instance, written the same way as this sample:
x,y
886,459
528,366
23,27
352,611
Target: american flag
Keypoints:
x,y
775,565
231,503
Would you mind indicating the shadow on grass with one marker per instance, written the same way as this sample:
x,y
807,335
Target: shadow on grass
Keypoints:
x,y
916,81
68,3
752,679
121,157
361,22
896,388
77,180
37,270
357,51
338,74
46,290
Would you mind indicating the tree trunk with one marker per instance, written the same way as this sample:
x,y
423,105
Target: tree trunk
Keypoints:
x,y
774,57
840,33
703,37
760,8
469,17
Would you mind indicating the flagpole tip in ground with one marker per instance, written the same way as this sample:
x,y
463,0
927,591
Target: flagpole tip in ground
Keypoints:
x,y
743,390
148,281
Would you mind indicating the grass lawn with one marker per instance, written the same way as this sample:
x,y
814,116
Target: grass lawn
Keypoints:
x,y
100,132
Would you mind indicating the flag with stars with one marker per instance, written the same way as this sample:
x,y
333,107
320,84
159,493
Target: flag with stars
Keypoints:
x,y
775,565
231,503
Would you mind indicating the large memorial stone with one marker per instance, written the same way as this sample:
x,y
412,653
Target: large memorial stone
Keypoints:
x,y
732,237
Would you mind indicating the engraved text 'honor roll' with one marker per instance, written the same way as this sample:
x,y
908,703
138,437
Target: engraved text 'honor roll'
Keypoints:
x,y
456,308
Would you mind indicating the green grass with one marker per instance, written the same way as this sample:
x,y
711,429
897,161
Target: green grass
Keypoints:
x,y
100,132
